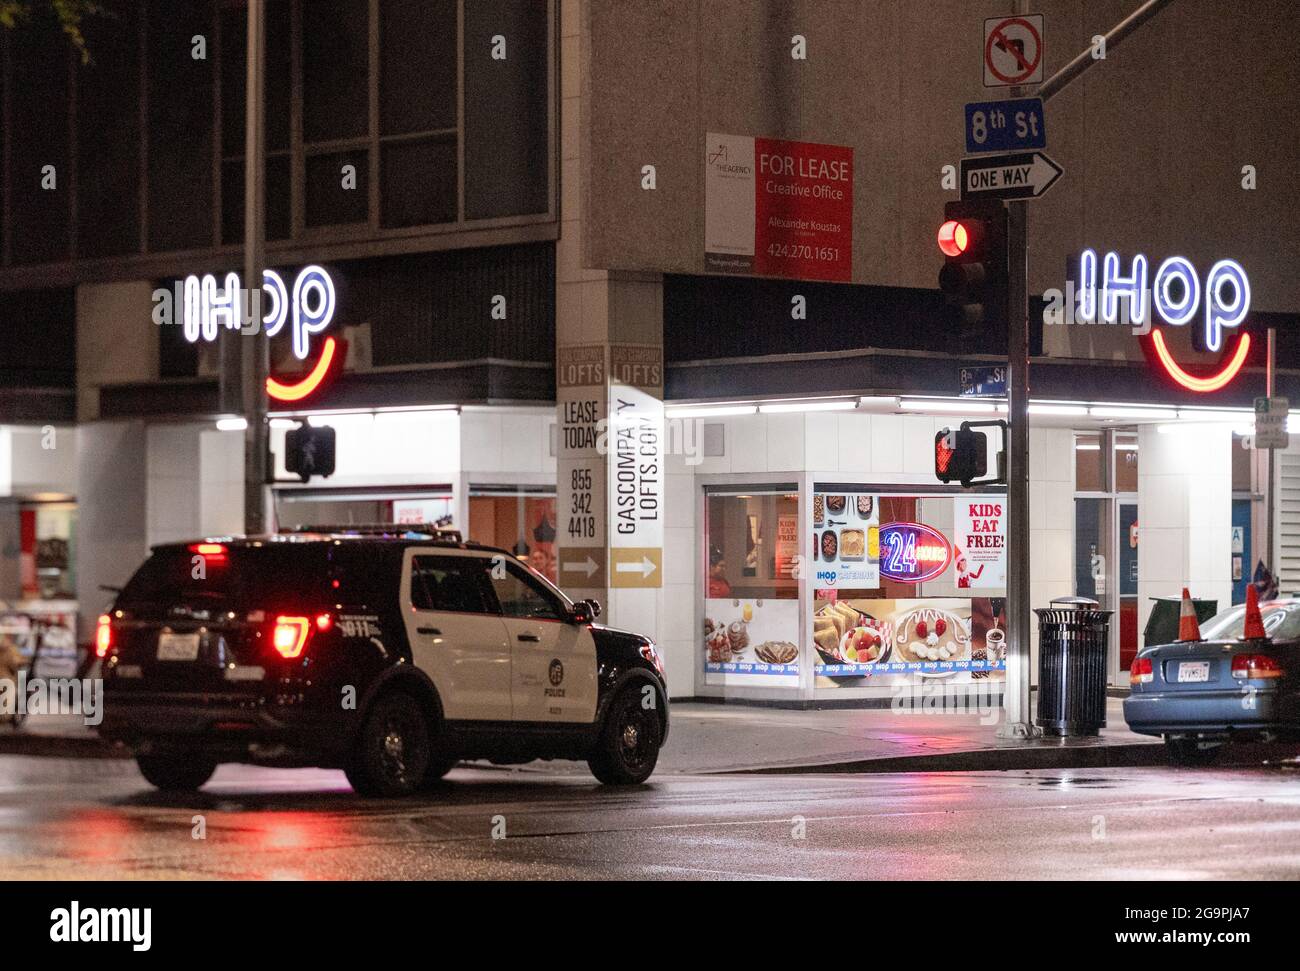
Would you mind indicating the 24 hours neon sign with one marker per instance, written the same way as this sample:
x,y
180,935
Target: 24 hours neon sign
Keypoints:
x,y
1176,293
309,307
913,552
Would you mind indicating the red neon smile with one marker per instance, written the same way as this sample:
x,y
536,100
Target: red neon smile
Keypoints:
x,y
296,392
1192,383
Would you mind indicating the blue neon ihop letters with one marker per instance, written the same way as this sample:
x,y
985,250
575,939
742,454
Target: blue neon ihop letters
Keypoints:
x,y
1227,293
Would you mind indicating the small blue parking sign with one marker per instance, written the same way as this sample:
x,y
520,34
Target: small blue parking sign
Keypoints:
x,y
1004,126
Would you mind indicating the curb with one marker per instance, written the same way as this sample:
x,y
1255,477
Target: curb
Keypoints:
x,y
1140,754
61,747
1118,756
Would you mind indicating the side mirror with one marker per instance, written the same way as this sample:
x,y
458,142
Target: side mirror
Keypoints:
x,y
585,611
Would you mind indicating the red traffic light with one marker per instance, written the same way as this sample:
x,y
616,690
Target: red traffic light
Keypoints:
x,y
954,238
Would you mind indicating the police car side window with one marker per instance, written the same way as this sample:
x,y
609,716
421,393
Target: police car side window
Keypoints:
x,y
519,596
449,583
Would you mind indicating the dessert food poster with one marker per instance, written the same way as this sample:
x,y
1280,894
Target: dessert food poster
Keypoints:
x,y
751,641
938,637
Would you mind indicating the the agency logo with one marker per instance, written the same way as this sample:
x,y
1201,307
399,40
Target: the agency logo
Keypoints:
x,y
556,672
719,159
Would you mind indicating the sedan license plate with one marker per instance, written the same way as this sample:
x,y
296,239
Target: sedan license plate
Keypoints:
x,y
1191,671
178,647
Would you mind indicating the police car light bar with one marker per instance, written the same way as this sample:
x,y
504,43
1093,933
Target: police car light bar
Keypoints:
x,y
395,530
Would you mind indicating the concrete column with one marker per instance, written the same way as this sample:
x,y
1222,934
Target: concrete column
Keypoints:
x,y
609,345
1184,513
111,521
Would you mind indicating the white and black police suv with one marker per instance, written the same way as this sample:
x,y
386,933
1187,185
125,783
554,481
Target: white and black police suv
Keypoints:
x,y
390,652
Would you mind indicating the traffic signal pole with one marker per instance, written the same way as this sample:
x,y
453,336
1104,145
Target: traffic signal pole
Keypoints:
x,y
1018,722
253,351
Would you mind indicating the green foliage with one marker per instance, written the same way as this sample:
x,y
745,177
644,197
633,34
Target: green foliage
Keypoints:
x,y
70,14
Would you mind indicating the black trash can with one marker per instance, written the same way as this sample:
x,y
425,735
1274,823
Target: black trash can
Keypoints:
x,y
1072,647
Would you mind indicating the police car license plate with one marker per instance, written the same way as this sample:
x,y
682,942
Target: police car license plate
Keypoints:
x,y
178,647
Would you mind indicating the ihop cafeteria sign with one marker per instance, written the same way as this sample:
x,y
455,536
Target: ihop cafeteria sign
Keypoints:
x,y
1175,295
307,308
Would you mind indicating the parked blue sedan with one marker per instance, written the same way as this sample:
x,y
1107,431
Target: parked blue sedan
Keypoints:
x,y
1201,695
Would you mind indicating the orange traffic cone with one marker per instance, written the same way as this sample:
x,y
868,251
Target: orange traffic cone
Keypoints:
x,y
1254,622
1188,627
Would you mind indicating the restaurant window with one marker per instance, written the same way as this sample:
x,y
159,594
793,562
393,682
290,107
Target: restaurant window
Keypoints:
x,y
38,609
1106,532
752,566
1089,462
1126,462
907,588
364,506
519,520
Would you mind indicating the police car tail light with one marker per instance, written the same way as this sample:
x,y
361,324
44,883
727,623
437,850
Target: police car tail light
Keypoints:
x,y
1251,666
1140,672
324,622
649,652
290,635
103,636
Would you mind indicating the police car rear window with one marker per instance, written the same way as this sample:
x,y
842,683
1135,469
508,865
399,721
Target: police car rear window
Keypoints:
x,y
268,577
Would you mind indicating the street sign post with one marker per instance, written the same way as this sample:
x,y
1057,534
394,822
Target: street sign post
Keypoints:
x,y
1013,50
1005,126
983,381
1025,175
1270,423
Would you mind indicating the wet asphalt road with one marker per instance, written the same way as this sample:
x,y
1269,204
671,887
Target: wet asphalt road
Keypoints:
x,y
93,819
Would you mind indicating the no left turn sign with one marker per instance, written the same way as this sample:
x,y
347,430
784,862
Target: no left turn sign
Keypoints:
x,y
1013,50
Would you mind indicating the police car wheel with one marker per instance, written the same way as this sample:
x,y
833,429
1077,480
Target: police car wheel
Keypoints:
x,y
1188,751
439,766
393,748
628,747
175,772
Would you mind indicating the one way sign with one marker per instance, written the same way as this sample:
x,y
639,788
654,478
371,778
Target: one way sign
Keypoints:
x,y
1025,175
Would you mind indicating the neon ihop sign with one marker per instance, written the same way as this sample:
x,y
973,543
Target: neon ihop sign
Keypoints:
x,y
1177,296
308,308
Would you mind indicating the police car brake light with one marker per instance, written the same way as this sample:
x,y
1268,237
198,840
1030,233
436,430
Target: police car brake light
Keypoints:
x,y
290,636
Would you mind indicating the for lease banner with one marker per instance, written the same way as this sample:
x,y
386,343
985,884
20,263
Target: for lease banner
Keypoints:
x,y
980,541
778,208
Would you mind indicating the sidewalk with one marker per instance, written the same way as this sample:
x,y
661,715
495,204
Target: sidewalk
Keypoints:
x,y
736,738
717,738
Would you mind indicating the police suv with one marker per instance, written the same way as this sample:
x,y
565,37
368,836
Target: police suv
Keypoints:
x,y
390,652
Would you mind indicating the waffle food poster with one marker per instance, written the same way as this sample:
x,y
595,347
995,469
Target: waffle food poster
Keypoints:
x,y
938,637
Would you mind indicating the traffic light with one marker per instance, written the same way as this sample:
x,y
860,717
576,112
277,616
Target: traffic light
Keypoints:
x,y
309,451
960,455
973,240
